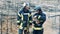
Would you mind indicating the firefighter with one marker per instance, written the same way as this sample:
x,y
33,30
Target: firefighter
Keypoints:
x,y
38,20
24,18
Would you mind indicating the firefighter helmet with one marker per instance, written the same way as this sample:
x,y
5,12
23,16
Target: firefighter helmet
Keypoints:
x,y
26,4
37,8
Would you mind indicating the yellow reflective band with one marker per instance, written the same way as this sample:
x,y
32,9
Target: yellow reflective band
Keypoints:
x,y
29,15
37,28
18,21
25,28
39,17
30,21
22,16
19,14
20,27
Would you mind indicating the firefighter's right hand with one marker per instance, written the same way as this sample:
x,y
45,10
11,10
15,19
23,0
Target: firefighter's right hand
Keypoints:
x,y
18,26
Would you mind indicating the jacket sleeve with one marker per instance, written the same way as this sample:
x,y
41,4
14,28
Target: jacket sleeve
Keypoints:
x,y
30,17
18,18
43,18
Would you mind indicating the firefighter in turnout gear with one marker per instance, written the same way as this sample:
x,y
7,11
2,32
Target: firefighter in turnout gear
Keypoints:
x,y
38,19
24,18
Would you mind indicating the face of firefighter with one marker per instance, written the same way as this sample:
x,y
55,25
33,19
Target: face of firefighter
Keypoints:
x,y
27,7
38,11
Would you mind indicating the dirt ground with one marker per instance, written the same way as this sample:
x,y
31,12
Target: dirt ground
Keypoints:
x,y
49,26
